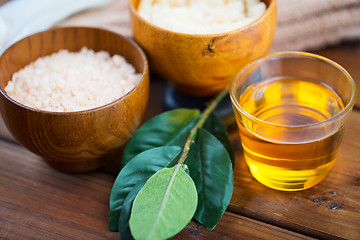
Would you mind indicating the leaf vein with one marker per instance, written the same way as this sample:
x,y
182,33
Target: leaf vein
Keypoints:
x,y
164,200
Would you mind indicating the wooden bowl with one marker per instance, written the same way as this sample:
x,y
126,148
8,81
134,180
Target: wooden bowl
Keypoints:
x,y
74,141
202,65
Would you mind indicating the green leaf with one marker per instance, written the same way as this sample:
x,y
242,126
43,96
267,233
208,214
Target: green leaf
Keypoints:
x,y
211,169
140,168
216,126
124,228
164,206
167,129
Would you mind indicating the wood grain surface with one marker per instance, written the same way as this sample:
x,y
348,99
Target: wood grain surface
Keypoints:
x,y
38,202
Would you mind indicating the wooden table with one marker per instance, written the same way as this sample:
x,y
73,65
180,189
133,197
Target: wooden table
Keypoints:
x,y
38,202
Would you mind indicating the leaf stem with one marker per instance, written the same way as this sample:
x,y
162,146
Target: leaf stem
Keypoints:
x,y
204,115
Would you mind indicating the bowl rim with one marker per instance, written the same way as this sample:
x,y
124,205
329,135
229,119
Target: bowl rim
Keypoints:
x,y
144,75
272,5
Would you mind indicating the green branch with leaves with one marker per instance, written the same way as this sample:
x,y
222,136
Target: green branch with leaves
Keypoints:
x,y
176,167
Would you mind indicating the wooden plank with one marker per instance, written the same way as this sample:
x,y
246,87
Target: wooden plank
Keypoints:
x,y
38,202
330,210
233,226
347,55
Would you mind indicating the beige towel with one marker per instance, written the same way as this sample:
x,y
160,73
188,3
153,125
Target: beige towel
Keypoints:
x,y
314,24
115,17
302,24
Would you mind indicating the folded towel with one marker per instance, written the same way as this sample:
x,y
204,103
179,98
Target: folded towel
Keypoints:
x,y
309,24
302,24
114,17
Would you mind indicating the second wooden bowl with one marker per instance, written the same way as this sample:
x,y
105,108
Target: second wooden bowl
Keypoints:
x,y
203,64
74,141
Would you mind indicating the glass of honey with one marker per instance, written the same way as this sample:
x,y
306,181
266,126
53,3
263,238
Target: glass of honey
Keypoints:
x,y
290,108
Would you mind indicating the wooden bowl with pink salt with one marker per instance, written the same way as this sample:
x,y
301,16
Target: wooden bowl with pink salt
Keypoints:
x,y
73,95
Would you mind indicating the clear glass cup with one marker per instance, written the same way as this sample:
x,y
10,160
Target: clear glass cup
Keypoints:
x,y
290,108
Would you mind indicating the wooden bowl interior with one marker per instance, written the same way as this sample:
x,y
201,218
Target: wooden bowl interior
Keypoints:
x,y
73,39
134,3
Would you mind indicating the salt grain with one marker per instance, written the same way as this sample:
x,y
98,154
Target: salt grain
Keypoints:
x,y
201,16
73,81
